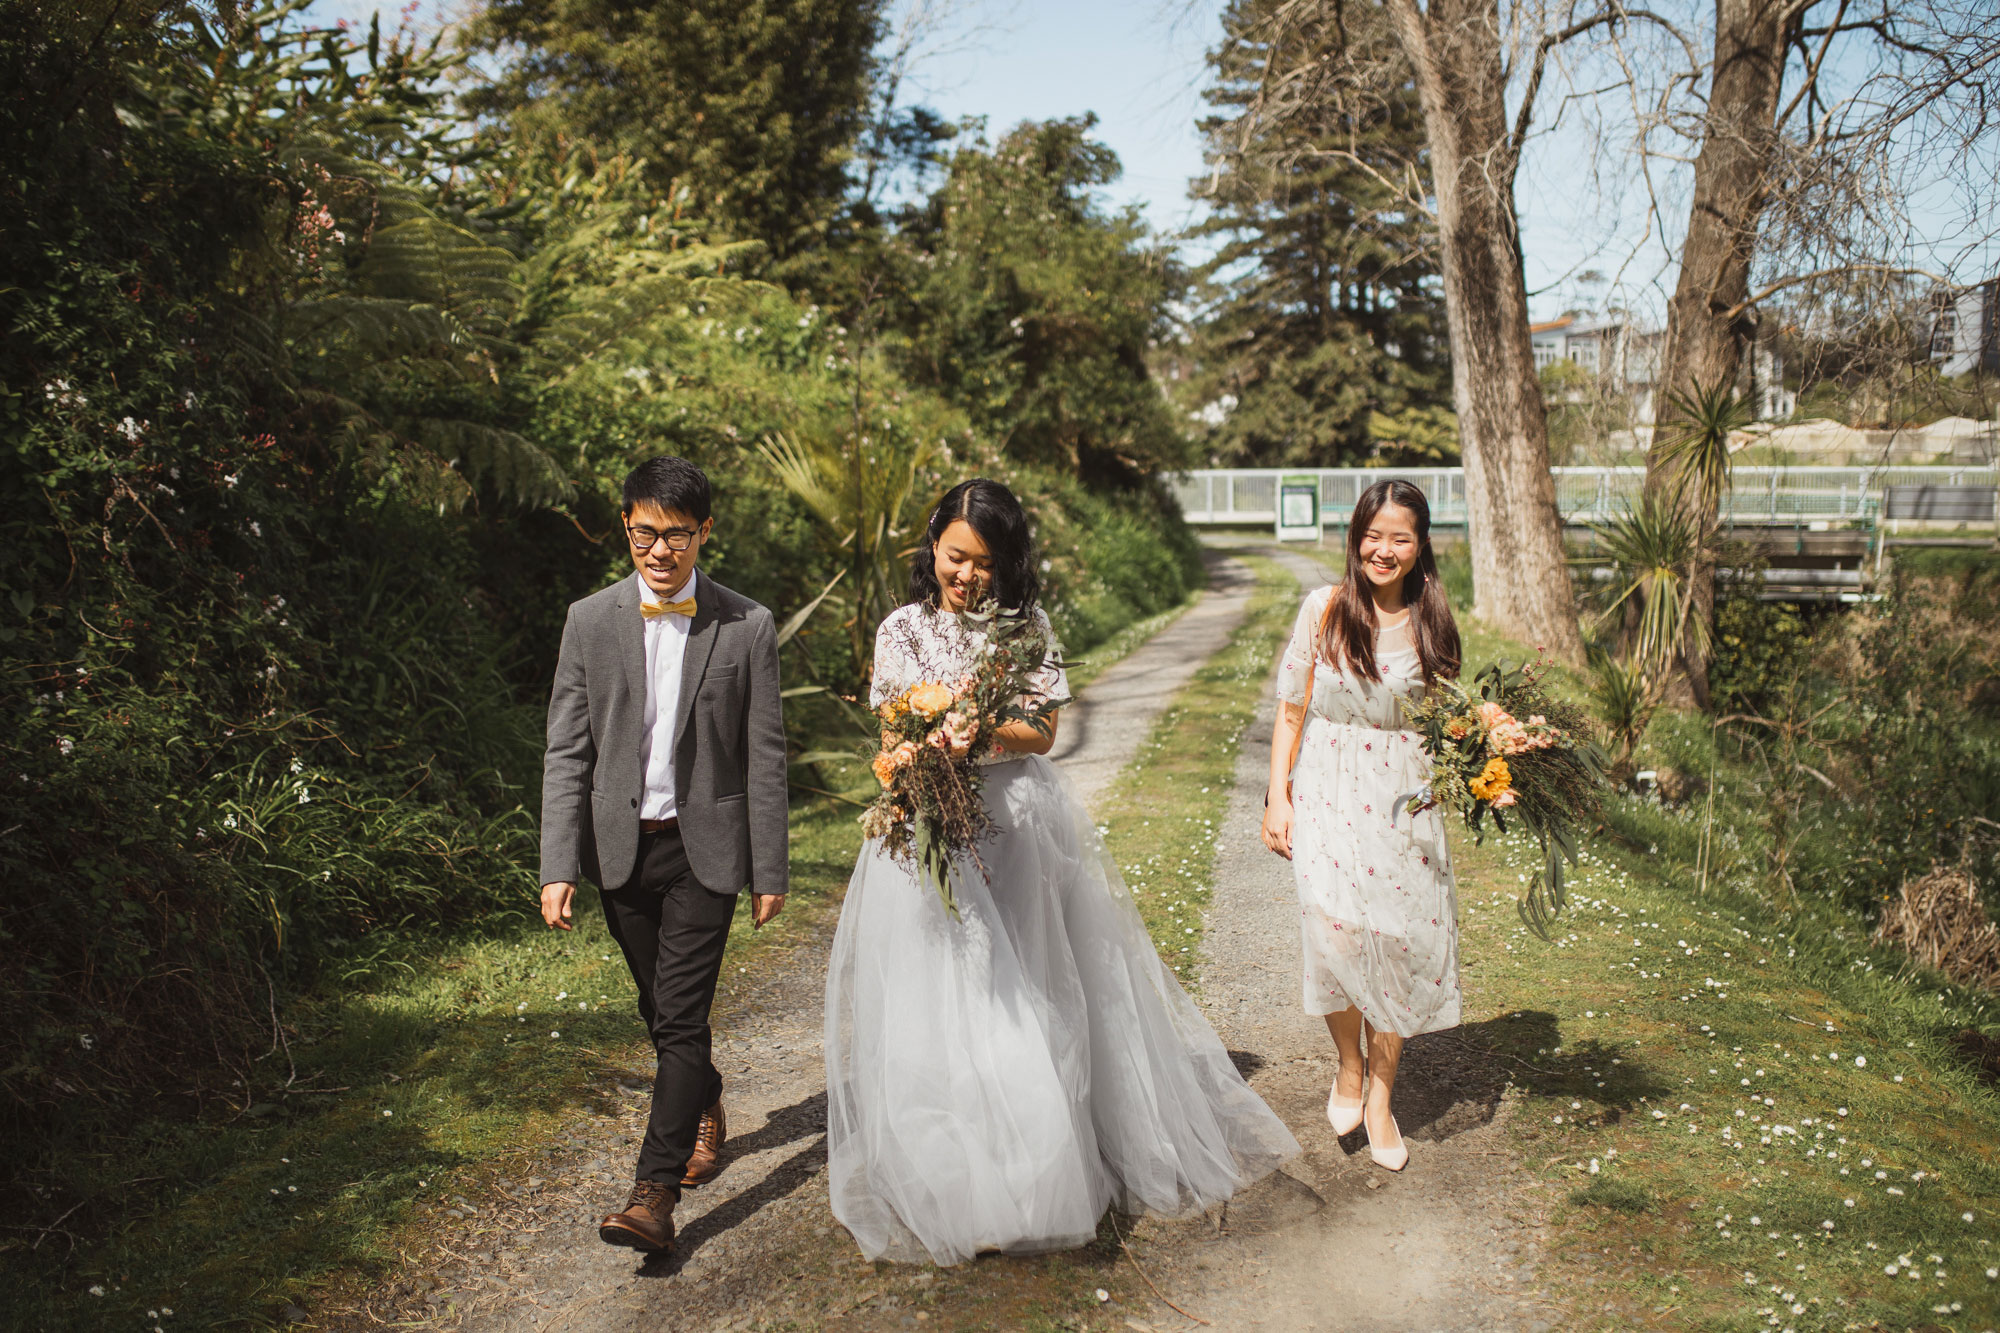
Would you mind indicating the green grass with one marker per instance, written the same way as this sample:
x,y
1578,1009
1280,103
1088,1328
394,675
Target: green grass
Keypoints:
x,y
413,1079
1668,1011
1163,817
422,1073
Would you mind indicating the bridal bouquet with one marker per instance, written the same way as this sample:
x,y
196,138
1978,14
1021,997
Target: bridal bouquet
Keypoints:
x,y
929,811
1506,745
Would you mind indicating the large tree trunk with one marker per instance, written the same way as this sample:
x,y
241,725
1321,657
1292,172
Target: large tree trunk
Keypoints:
x,y
1708,323
1521,583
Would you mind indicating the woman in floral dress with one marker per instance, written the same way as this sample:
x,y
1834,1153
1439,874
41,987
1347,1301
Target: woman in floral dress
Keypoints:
x,y
1377,908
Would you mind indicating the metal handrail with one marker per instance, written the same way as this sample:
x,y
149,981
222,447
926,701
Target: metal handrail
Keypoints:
x,y
1759,495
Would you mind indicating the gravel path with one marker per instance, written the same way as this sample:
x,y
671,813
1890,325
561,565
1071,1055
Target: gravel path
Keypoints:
x,y
758,1246
1452,1243
1097,740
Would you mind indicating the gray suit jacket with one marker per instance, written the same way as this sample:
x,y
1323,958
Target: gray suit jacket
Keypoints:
x,y
729,743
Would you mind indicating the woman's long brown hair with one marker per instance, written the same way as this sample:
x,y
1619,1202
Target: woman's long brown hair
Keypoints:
x,y
1350,631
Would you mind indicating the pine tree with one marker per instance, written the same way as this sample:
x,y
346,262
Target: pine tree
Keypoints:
x,y
749,111
1321,314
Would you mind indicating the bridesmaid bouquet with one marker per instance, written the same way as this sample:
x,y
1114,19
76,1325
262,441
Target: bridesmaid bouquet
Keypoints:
x,y
1506,745
929,810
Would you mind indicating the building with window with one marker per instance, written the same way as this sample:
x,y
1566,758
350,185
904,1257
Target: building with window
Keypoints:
x,y
1965,328
1596,343
1616,352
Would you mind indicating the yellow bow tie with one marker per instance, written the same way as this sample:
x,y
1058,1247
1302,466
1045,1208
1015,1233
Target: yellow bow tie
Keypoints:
x,y
684,607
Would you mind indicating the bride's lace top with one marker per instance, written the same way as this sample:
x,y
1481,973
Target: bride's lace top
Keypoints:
x,y
916,643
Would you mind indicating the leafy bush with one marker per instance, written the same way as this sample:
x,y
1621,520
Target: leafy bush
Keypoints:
x,y
1759,647
1867,736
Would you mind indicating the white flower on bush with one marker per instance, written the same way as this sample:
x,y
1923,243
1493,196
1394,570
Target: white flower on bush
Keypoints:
x,y
65,745
305,797
229,821
256,528
131,429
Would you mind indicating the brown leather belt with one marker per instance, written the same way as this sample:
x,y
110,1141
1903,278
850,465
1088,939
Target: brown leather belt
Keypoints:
x,y
658,825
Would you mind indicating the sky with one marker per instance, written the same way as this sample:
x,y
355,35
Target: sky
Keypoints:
x,y
1139,66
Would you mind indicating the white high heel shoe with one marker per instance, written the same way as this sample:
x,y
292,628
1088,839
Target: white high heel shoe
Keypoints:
x,y
1390,1159
1346,1119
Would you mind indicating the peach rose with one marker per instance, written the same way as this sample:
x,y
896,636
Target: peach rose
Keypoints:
x,y
960,727
931,698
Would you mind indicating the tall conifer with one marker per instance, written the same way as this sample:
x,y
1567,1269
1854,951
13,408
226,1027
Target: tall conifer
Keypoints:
x,y
1321,308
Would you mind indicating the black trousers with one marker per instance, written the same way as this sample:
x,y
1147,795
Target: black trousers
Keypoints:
x,y
672,931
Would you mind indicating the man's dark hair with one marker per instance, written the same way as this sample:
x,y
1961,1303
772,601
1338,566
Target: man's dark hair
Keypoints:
x,y
674,484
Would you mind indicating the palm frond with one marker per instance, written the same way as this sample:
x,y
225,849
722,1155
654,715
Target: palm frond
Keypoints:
x,y
501,462
1696,443
1655,549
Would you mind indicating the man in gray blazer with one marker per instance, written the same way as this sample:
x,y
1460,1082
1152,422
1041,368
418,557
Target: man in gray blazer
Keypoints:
x,y
664,783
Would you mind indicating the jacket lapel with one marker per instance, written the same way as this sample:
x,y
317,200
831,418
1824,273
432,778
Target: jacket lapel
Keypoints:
x,y
700,644
632,638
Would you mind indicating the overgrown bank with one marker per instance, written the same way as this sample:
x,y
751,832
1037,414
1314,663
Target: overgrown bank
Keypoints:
x,y
317,397
1762,1119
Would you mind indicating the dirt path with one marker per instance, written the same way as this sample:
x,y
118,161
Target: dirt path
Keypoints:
x,y
1097,740
1452,1243
759,1247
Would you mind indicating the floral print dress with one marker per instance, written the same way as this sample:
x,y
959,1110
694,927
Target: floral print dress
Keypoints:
x,y
1378,911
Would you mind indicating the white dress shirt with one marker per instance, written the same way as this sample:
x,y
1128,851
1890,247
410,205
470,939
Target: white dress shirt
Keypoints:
x,y
666,646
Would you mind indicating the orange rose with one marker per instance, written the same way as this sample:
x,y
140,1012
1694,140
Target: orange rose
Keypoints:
x,y
930,698
1493,780
887,762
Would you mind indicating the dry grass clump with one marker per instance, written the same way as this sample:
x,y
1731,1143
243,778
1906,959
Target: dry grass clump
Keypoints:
x,y
1940,922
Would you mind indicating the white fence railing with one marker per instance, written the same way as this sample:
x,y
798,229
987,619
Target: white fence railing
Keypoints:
x,y
1758,495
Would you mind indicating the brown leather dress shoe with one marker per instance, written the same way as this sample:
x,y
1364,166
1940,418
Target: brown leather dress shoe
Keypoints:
x,y
647,1222
706,1162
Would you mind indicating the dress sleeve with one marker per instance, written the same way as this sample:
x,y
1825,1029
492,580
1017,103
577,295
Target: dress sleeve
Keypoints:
x,y
1296,668
893,670
1050,681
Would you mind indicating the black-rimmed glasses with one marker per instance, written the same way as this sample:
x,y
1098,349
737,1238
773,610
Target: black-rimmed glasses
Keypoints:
x,y
677,539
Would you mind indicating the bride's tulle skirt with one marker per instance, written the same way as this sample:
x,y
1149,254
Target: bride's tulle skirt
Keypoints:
x,y
997,1081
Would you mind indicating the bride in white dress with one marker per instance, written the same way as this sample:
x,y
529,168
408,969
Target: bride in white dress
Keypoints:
x,y
996,1082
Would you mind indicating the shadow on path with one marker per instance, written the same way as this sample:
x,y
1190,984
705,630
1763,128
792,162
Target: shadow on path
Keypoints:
x,y
1453,1081
803,1119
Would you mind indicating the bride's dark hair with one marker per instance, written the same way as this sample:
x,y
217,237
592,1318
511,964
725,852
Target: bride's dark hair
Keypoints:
x,y
992,511
1350,631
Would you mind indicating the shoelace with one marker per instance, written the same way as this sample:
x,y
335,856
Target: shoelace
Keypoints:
x,y
649,1194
